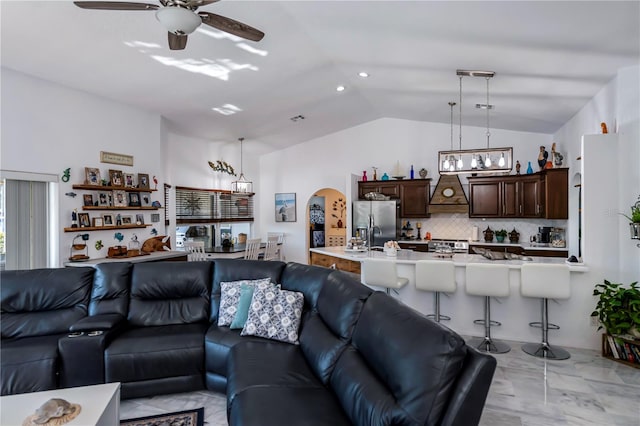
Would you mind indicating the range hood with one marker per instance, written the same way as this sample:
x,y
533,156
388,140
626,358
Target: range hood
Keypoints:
x,y
449,197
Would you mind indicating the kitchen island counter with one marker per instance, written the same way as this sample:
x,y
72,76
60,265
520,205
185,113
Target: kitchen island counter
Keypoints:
x,y
515,311
459,259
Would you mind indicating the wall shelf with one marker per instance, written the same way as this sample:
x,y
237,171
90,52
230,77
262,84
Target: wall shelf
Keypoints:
x,y
111,188
118,208
103,228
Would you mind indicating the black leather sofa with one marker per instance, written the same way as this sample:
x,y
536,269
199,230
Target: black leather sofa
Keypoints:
x,y
363,358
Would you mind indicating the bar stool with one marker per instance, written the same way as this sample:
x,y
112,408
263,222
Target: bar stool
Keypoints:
x,y
437,276
545,282
488,280
382,273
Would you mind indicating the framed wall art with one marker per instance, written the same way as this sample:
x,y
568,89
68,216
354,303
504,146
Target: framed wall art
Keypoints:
x,y
104,199
107,219
143,181
134,199
129,181
116,178
83,220
87,200
285,207
97,222
119,198
127,220
92,176
145,199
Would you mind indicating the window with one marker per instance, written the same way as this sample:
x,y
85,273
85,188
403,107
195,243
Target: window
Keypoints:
x,y
25,221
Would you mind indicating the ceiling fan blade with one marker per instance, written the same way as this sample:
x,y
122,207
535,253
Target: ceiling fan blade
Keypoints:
x,y
231,26
177,42
191,3
115,5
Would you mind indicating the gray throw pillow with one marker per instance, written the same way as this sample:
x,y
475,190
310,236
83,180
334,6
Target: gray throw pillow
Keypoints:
x,y
274,314
230,296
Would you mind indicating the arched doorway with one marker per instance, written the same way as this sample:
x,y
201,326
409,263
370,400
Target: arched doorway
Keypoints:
x,y
326,219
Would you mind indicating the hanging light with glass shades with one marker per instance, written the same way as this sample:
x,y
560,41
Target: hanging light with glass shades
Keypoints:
x,y
242,185
489,160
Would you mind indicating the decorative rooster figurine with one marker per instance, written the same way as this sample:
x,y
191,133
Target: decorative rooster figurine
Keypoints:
x,y
155,182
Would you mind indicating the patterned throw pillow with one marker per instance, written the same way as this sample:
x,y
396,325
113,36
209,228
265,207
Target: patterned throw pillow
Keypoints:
x,y
230,295
274,314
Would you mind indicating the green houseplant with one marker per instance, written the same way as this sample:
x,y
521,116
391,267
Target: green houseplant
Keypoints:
x,y
634,226
618,308
501,235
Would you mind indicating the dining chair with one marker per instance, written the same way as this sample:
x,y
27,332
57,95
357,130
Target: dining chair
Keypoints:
x,y
195,250
280,236
252,250
271,252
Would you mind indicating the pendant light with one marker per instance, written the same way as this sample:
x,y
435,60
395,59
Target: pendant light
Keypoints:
x,y
242,185
486,160
448,162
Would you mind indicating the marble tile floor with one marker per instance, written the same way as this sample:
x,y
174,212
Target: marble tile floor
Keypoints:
x,y
526,391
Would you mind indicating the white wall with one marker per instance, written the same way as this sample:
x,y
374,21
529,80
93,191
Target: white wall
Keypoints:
x,y
47,128
328,162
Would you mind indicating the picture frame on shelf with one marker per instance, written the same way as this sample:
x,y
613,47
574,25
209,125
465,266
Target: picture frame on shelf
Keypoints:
x,y
285,207
145,199
104,199
92,176
107,219
127,220
87,200
134,199
97,222
143,181
116,178
83,220
139,219
129,181
119,198
155,217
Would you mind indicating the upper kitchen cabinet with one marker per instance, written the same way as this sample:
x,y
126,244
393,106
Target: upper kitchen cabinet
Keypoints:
x,y
413,194
538,195
414,198
390,188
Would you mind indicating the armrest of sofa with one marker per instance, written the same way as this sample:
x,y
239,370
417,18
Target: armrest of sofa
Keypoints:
x,y
98,323
470,391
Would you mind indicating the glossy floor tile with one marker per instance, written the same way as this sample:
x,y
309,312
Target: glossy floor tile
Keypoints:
x,y
526,391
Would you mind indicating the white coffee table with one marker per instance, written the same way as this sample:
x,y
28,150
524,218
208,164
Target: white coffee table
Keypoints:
x,y
100,405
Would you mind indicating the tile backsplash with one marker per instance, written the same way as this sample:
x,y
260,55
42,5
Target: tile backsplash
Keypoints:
x,y
458,226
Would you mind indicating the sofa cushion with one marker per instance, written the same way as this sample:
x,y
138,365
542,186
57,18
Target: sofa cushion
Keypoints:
x,y
29,364
110,292
327,332
164,293
267,363
156,352
230,296
306,279
417,382
274,314
41,302
239,269
244,303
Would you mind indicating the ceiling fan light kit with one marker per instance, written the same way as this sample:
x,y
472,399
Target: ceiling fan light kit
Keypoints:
x,y
489,160
178,20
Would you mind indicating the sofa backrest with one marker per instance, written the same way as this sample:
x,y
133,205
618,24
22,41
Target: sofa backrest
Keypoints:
x,y
306,279
110,293
226,270
164,293
41,302
400,367
327,331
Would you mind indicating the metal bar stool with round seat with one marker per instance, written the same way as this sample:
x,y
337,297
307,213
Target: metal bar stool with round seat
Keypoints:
x,y
436,276
487,280
382,273
545,282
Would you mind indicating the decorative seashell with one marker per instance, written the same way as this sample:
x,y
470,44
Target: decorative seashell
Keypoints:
x,y
53,408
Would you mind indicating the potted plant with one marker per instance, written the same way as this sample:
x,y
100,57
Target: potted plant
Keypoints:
x,y
501,235
618,308
634,226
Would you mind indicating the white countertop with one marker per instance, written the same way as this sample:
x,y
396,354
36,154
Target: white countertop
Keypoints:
x,y
525,246
411,257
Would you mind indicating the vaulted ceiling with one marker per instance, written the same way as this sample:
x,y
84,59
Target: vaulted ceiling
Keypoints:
x,y
550,59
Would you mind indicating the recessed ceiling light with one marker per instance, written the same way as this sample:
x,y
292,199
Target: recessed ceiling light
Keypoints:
x,y
340,88
363,74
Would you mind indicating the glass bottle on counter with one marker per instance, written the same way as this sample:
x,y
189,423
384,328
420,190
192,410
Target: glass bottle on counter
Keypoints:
x,y
411,172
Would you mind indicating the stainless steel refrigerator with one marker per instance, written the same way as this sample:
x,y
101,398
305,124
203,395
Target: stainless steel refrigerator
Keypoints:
x,y
380,218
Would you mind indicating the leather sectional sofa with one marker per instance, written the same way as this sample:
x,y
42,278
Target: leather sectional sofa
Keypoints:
x,y
363,357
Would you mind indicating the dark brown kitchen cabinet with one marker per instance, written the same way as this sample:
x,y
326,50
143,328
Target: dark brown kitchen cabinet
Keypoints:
x,y
538,195
413,194
390,188
414,198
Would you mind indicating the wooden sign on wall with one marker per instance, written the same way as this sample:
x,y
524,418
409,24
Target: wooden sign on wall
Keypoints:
x,y
113,158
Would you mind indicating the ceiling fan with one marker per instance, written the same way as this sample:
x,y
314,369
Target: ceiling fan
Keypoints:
x,y
181,18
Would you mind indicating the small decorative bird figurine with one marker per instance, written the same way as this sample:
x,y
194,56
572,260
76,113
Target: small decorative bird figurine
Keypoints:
x,y
118,236
70,194
155,181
